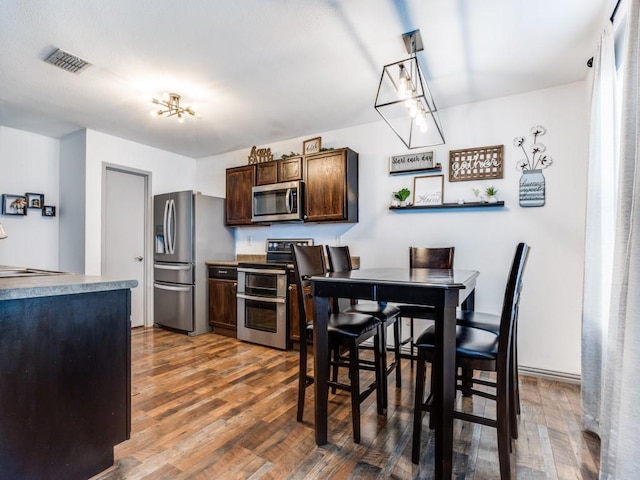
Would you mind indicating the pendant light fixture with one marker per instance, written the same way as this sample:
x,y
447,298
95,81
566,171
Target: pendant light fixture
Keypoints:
x,y
172,107
405,102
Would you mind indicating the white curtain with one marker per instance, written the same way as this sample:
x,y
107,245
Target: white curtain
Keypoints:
x,y
600,227
620,408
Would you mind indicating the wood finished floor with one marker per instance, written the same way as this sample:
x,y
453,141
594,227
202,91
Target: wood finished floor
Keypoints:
x,y
210,407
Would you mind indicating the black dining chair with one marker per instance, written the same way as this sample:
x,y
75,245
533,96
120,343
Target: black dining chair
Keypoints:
x,y
340,261
346,330
479,349
423,257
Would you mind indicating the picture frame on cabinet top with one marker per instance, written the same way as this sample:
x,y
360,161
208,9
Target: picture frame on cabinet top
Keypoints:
x,y
313,145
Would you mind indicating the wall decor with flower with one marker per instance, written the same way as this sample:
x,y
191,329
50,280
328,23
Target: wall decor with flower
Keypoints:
x,y
532,182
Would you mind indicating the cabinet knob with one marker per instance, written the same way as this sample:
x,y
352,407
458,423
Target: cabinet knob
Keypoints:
x,y
235,284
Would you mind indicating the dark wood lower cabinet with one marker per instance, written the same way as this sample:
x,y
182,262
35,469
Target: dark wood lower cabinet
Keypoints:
x,y
65,384
223,306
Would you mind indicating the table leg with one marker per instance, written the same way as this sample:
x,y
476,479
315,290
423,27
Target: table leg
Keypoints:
x,y
321,368
445,394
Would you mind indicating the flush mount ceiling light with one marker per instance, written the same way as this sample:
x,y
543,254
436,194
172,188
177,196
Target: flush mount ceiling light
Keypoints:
x,y
172,107
405,102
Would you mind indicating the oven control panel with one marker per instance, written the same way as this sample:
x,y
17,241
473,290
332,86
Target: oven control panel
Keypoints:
x,y
283,245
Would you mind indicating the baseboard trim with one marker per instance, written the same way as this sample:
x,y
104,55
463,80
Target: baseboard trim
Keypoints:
x,y
550,375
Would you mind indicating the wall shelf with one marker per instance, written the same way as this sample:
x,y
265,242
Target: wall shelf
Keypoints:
x,y
418,170
450,206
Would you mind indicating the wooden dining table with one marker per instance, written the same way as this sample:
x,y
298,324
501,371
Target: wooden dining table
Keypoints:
x,y
443,289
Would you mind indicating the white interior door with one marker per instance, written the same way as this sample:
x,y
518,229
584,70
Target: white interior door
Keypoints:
x,y
125,218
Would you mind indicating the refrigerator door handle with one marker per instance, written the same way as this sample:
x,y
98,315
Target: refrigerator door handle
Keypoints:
x,y
172,226
171,267
165,245
172,289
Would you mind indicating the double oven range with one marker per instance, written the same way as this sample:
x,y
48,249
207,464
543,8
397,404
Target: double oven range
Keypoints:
x,y
262,295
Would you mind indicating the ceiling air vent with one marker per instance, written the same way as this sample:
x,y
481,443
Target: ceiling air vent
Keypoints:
x,y
67,61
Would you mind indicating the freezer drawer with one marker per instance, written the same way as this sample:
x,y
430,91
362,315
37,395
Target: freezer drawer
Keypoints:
x,y
174,273
173,306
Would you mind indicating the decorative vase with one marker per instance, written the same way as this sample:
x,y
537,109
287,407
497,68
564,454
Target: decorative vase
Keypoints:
x,y
532,185
403,203
492,199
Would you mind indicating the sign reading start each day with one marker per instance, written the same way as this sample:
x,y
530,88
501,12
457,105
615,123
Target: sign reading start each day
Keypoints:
x,y
410,163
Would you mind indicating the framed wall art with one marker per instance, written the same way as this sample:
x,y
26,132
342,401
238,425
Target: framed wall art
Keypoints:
x,y
413,162
48,211
479,163
428,190
34,200
14,204
312,145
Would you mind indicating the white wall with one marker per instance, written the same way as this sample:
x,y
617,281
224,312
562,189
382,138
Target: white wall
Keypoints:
x,y
169,172
29,163
485,240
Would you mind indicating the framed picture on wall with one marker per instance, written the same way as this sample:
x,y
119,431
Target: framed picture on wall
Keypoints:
x,y
14,204
35,200
428,190
48,211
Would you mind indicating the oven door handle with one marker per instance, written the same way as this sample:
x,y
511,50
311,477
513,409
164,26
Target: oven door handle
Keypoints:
x,y
261,299
261,270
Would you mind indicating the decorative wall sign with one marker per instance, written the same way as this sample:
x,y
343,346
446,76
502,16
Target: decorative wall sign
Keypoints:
x,y
14,204
34,200
312,145
260,155
476,163
532,182
413,162
428,190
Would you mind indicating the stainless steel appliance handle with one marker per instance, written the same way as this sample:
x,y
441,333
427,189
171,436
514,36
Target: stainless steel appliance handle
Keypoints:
x,y
261,270
172,226
289,200
262,299
165,245
171,267
172,289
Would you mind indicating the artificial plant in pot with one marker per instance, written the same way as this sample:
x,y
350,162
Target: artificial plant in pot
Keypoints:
x,y
402,195
491,194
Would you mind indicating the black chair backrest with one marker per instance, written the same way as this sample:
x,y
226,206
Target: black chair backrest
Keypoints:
x,y
339,259
509,316
307,261
423,257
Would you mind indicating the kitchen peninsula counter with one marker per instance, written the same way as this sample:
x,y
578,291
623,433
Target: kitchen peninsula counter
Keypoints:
x,y
65,382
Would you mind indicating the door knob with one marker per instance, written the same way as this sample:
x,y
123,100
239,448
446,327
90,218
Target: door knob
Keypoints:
x,y
139,259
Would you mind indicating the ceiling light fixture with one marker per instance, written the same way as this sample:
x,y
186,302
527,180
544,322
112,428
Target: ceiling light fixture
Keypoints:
x,y
405,102
172,107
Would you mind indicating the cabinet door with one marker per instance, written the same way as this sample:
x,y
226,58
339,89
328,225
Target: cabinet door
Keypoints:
x,y
223,307
290,169
240,180
326,195
294,316
266,173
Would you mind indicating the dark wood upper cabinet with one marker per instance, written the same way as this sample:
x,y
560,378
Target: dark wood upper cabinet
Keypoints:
x,y
331,186
240,180
286,170
290,169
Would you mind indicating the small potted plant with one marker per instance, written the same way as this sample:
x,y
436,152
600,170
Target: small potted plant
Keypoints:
x,y
402,195
491,194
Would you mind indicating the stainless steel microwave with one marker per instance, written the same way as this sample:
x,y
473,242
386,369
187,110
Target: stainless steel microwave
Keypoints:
x,y
278,202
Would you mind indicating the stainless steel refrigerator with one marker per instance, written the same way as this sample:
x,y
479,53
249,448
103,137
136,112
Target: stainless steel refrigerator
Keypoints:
x,y
188,230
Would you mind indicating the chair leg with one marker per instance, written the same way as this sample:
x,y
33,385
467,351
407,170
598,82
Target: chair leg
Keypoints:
x,y
355,390
380,365
411,344
336,367
417,407
302,382
514,395
503,428
396,351
467,383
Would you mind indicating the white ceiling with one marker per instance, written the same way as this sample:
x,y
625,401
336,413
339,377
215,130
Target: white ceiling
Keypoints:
x,y
262,71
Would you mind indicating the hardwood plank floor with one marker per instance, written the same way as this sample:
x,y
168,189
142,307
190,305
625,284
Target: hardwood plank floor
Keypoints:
x,y
210,407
